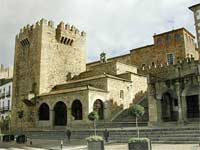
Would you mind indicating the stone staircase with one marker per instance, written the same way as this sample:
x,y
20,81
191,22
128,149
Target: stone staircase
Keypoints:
x,y
128,119
173,135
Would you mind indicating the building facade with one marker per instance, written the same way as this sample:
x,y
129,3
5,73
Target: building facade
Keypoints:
x,y
5,97
196,11
168,48
174,92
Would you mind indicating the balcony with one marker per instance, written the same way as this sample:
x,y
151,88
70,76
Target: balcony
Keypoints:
x,y
4,109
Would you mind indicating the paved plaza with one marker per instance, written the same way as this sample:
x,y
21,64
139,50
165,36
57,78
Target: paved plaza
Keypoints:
x,y
41,144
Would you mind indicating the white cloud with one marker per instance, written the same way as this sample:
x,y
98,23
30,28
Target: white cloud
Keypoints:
x,y
112,26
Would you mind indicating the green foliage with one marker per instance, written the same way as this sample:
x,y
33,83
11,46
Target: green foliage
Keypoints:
x,y
138,140
94,138
93,116
136,110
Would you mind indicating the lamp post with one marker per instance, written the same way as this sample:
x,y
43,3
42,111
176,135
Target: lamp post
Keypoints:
x,y
20,115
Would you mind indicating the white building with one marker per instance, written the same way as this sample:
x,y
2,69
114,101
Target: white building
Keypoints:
x,y
196,11
5,96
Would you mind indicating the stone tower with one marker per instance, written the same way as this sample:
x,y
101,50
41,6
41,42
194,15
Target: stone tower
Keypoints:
x,y
44,57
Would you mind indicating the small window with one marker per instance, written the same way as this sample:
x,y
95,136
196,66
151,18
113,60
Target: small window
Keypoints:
x,y
175,102
167,38
170,59
159,41
177,37
121,94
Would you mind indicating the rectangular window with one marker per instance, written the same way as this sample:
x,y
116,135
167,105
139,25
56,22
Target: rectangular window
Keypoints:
x,y
121,94
170,59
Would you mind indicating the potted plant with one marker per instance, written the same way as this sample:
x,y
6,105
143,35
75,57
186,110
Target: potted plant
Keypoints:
x,y
94,142
138,143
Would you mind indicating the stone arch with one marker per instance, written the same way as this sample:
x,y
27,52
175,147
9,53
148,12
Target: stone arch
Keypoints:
x,y
60,117
43,112
168,103
77,110
98,106
191,90
166,90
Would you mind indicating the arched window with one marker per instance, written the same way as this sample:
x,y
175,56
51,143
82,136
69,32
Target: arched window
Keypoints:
x,y
44,112
77,111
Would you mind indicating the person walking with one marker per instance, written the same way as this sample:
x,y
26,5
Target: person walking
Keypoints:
x,y
106,135
68,134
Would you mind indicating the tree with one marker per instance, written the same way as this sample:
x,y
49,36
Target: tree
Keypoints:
x,y
93,116
137,111
8,119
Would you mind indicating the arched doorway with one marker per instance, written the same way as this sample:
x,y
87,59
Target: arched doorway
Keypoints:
x,y
77,111
99,108
191,94
169,105
60,110
44,112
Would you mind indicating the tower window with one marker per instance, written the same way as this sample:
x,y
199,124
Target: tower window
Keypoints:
x,y
167,38
170,59
177,37
121,94
159,41
25,42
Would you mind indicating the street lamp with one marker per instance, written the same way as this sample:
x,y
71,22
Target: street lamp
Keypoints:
x,y
20,115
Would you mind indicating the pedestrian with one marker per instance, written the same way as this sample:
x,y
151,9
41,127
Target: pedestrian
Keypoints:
x,y
106,135
68,134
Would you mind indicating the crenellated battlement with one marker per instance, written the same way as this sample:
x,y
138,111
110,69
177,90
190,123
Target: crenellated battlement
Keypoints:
x,y
163,68
60,29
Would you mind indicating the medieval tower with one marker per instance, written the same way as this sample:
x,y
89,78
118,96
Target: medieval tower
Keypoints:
x,y
44,56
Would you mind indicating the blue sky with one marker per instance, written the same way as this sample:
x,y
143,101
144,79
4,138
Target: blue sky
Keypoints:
x,y
112,26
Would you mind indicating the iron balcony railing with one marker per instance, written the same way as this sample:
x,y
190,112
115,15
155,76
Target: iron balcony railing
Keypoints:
x,y
5,108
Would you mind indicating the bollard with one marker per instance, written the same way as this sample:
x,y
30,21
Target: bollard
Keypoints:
x,y
31,142
61,144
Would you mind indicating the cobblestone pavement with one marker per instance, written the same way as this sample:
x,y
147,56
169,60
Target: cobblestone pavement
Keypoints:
x,y
82,145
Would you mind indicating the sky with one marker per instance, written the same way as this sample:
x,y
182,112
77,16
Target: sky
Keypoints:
x,y
112,26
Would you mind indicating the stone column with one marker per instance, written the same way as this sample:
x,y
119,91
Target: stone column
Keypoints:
x,y
159,111
69,117
51,118
184,108
153,110
178,93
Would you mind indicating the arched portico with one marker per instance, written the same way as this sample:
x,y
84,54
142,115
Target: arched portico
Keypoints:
x,y
169,107
77,111
43,112
60,114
